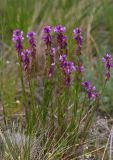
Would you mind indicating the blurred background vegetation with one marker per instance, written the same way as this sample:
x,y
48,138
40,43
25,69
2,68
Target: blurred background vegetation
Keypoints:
x,y
95,17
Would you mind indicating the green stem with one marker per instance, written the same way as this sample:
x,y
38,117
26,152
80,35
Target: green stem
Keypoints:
x,y
75,108
89,119
23,90
33,109
2,89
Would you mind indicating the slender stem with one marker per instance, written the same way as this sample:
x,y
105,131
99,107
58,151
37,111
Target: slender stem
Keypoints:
x,y
33,110
89,119
2,89
52,116
75,107
23,89
82,110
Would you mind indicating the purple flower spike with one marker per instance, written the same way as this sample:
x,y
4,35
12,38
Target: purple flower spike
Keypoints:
x,y
26,59
31,36
18,39
91,90
61,38
47,38
32,41
107,59
17,36
78,38
67,68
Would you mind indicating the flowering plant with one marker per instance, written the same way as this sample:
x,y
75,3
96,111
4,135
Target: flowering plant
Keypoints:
x,y
68,101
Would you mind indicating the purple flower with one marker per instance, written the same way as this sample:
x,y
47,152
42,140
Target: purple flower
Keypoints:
x,y
67,68
107,59
47,38
53,55
81,69
59,29
92,96
77,31
31,36
32,41
53,52
61,38
26,59
78,38
46,29
91,90
86,84
18,38
63,58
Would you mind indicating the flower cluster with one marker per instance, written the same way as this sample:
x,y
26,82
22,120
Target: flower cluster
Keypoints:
x,y
47,38
67,68
107,59
32,42
26,55
78,38
79,41
18,39
59,53
91,90
53,58
26,59
61,38
31,37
